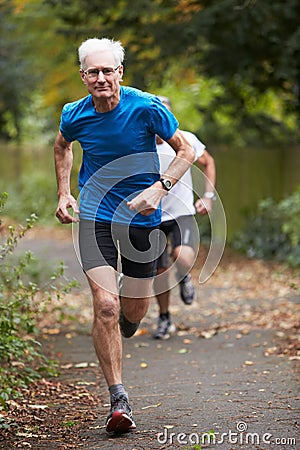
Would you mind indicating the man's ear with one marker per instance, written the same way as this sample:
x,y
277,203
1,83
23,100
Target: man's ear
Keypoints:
x,y
82,76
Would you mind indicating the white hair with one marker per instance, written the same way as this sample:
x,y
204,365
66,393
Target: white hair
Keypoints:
x,y
97,45
165,100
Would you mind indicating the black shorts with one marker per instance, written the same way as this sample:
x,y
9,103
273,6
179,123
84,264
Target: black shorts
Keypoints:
x,y
180,231
100,244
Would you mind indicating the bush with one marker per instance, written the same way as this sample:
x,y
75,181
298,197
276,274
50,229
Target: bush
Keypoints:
x,y
274,232
21,357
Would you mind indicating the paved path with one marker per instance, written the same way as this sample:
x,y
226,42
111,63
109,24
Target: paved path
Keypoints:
x,y
187,386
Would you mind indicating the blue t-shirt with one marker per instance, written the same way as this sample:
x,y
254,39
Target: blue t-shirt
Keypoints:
x,y
119,153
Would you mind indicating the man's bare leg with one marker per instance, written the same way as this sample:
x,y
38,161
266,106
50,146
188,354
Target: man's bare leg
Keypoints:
x,y
107,336
106,333
184,256
161,290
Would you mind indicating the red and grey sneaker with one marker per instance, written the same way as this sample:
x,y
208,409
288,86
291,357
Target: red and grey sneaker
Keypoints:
x,y
120,418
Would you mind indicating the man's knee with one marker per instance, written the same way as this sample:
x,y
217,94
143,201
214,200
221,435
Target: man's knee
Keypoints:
x,y
106,305
183,254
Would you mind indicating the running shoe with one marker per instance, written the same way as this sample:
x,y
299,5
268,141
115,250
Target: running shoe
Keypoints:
x,y
165,328
187,291
120,418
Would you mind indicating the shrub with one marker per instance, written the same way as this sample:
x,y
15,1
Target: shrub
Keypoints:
x,y
21,356
274,232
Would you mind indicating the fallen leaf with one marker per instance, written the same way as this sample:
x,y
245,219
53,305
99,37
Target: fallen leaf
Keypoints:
x,y
26,444
143,365
152,406
81,365
66,366
182,333
248,363
17,364
208,334
142,332
245,331
38,406
51,330
294,358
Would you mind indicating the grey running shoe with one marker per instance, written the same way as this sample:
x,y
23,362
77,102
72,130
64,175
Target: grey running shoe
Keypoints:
x,y
127,328
120,418
187,291
165,328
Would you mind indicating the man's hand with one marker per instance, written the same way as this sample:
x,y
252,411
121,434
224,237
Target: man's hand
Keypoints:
x,y
148,201
62,213
203,206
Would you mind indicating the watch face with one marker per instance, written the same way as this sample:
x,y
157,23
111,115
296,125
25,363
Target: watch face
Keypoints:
x,y
210,195
168,184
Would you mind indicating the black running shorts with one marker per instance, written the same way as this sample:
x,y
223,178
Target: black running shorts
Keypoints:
x,y
180,231
100,244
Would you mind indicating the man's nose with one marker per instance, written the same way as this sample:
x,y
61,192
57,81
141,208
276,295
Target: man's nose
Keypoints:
x,y
101,76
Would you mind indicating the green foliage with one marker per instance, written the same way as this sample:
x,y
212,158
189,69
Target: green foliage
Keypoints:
x,y
251,48
33,193
16,78
21,301
247,52
274,233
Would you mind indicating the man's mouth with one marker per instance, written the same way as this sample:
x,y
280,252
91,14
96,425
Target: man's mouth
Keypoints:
x,y
101,88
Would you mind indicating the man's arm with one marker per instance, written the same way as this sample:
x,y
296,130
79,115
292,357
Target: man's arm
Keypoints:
x,y
183,160
204,204
63,157
148,200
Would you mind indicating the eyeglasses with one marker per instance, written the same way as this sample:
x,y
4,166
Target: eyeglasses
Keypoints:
x,y
93,74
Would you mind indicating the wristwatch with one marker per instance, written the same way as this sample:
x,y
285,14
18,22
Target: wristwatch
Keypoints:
x,y
166,183
210,195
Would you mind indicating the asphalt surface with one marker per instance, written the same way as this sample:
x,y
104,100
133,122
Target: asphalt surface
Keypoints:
x,y
184,388
189,392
